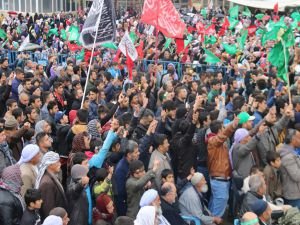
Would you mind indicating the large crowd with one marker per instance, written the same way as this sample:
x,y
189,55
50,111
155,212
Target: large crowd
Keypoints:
x,y
188,138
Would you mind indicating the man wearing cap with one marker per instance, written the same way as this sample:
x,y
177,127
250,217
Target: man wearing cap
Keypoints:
x,y
14,136
151,198
28,162
246,121
263,211
192,202
47,182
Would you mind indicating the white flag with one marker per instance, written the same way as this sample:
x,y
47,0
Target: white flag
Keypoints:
x,y
126,44
210,5
24,44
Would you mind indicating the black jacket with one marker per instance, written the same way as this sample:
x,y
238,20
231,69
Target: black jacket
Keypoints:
x,y
30,217
11,210
171,213
248,202
78,203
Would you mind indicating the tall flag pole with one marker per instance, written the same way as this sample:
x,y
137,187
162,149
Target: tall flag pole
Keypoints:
x,y
99,28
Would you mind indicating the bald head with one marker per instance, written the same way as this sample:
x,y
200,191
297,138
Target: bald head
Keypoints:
x,y
250,216
168,192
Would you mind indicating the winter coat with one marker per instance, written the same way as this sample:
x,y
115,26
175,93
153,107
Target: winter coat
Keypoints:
x,y
29,175
290,166
11,210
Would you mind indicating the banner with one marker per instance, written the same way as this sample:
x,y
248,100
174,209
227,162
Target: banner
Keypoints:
x,y
163,15
101,17
127,47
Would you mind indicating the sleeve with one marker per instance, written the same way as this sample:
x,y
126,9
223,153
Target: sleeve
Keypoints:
x,y
194,208
140,183
281,124
247,148
26,184
292,167
98,159
7,215
101,188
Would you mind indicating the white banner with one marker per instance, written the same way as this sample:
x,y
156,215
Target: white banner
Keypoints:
x,y
127,43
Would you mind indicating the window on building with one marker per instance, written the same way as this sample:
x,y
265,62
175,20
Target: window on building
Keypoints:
x,y
23,9
47,6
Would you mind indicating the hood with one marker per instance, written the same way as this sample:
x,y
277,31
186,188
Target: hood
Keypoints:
x,y
285,149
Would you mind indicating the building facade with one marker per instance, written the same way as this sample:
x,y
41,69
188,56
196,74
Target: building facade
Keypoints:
x,y
42,6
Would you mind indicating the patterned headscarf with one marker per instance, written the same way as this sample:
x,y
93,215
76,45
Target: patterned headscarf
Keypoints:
x,y
48,159
92,128
78,144
12,181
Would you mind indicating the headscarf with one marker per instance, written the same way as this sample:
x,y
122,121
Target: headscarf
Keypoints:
x,y
28,153
11,181
78,144
101,212
53,220
146,216
239,135
48,159
92,128
173,66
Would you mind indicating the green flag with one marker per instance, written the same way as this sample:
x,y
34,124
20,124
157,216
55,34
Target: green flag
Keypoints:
x,y
288,38
188,40
296,16
242,39
246,12
279,57
53,31
74,33
167,43
133,36
63,34
230,49
271,35
80,55
234,12
210,57
210,40
233,23
259,16
2,34
110,45
203,12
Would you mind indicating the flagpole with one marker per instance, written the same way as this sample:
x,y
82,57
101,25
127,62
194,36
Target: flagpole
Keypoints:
x,y
91,59
157,31
286,71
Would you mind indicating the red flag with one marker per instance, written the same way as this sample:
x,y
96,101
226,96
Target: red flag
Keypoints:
x,y
179,45
73,47
129,64
226,23
117,56
251,30
191,29
276,8
210,30
139,49
163,15
200,28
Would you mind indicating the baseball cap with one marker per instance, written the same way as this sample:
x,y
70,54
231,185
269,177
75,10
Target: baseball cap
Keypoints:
x,y
59,115
245,117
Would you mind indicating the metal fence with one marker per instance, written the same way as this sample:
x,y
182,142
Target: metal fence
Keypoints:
x,y
42,58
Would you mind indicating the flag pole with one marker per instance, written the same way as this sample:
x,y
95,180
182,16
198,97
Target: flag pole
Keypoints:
x,y
286,71
157,31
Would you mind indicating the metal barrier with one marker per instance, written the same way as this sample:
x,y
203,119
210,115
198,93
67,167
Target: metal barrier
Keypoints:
x,y
42,58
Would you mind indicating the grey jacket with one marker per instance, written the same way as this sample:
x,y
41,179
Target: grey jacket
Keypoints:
x,y
290,166
190,205
269,139
135,190
242,157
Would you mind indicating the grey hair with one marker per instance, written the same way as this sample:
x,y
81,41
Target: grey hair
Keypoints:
x,y
131,145
255,182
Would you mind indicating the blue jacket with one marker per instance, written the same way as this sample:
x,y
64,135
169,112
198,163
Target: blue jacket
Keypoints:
x,y
93,111
14,89
258,118
98,159
120,178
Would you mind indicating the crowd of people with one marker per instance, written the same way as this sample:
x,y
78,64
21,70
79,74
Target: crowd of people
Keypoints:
x,y
208,143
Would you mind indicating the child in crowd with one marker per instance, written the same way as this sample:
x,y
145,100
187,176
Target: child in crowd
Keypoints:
x,y
33,200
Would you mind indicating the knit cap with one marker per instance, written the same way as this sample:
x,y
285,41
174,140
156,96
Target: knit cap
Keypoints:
x,y
11,122
78,171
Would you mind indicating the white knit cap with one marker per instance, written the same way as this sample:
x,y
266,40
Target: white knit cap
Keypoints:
x,y
28,152
196,178
148,197
53,220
